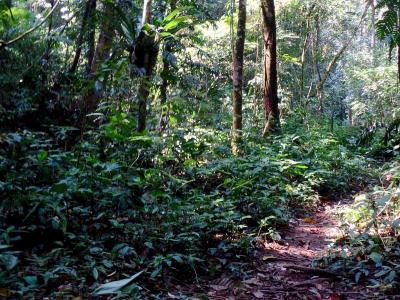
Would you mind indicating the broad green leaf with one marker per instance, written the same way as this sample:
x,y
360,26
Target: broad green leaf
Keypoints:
x,y
376,257
42,155
114,287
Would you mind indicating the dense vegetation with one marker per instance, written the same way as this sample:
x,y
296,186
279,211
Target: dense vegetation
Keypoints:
x,y
156,142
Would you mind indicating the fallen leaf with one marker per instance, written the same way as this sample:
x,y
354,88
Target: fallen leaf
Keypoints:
x,y
171,296
310,220
258,295
4,292
114,287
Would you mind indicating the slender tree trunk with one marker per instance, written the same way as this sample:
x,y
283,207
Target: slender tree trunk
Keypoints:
x,y
339,55
373,21
316,61
146,16
46,55
398,48
304,51
351,119
145,58
43,74
270,68
238,78
168,48
101,54
79,44
303,58
91,38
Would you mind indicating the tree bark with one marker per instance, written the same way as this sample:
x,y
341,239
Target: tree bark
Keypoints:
x,y
270,68
168,48
316,61
238,78
398,47
146,16
373,20
304,50
79,44
91,38
102,53
145,59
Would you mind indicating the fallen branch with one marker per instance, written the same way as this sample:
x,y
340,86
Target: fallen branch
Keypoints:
x,y
315,271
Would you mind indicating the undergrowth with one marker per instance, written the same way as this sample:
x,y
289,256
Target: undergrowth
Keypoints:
x,y
177,206
369,248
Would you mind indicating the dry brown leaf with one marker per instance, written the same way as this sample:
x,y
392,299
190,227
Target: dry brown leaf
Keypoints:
x,y
310,221
4,292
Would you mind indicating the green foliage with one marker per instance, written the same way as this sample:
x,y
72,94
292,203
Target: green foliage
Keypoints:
x,y
387,27
369,248
140,202
87,201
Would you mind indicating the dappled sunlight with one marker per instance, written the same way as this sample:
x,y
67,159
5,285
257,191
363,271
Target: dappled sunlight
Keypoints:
x,y
186,149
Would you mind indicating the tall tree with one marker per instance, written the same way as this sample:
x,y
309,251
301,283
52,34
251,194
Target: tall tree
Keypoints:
x,y
238,77
165,75
101,54
91,36
145,58
90,6
306,45
270,67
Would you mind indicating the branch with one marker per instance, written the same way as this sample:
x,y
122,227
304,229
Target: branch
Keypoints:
x,y
4,44
315,271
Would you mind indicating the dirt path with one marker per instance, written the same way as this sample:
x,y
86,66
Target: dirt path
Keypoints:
x,y
283,270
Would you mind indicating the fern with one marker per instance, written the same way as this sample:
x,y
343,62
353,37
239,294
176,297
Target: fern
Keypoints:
x,y
387,28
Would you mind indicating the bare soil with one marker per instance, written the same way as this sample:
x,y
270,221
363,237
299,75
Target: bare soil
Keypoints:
x,y
285,269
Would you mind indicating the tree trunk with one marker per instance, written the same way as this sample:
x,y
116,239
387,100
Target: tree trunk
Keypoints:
x,y
168,48
101,54
373,20
270,68
79,44
145,58
146,16
238,78
91,38
304,51
316,62
398,47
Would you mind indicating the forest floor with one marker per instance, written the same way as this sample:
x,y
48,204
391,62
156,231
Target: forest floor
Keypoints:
x,y
283,270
